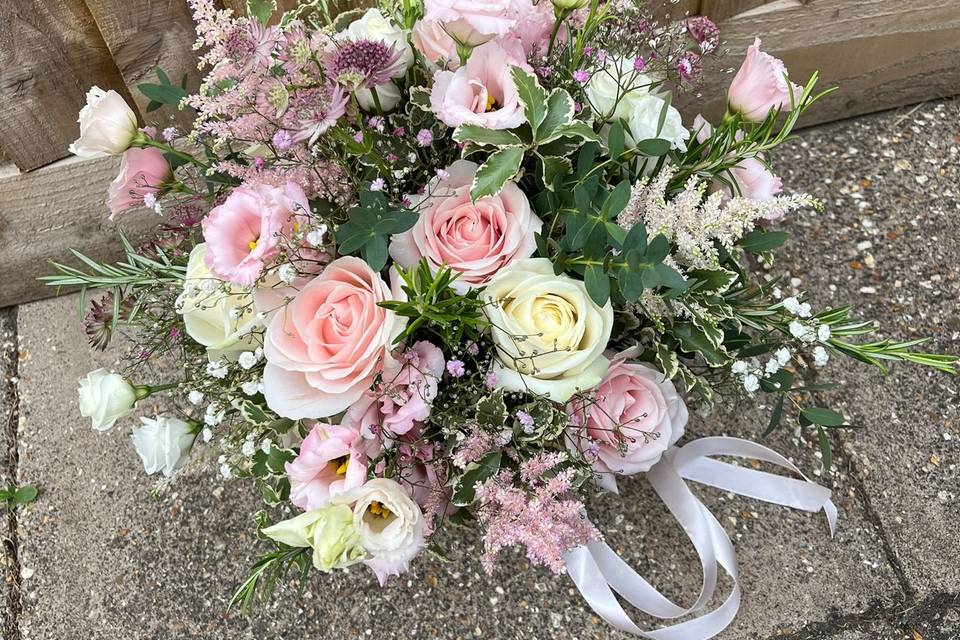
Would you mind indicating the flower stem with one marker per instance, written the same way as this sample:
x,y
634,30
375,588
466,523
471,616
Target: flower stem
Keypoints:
x,y
142,141
146,390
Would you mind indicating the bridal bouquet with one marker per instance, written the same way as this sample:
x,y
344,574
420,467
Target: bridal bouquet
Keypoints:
x,y
458,262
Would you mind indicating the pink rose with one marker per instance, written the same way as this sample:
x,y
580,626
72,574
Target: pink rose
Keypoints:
x,y
630,419
244,233
326,346
404,397
435,44
142,171
481,92
753,178
475,239
761,85
330,462
488,17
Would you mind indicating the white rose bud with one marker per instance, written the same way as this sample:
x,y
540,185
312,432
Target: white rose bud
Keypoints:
x,y
389,523
163,443
107,125
105,398
550,335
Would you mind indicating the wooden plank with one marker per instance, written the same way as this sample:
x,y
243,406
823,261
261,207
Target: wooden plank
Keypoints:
x,y
674,9
880,53
720,10
143,35
50,55
45,213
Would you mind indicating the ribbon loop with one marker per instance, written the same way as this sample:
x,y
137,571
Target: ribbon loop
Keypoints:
x,y
598,571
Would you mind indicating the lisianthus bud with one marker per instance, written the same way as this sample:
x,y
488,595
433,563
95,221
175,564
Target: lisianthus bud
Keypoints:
x,y
564,7
760,85
330,531
107,125
105,398
163,443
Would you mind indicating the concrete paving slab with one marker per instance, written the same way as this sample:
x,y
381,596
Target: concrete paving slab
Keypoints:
x,y
8,424
108,560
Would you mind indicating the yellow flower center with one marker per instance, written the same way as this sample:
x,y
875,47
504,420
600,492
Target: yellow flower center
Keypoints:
x,y
491,102
344,462
378,509
252,245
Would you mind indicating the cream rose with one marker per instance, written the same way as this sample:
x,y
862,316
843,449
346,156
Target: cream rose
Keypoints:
x,y
549,334
219,315
105,398
107,125
389,523
163,443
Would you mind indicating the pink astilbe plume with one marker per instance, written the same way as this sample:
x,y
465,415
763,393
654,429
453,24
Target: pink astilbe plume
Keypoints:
x,y
539,516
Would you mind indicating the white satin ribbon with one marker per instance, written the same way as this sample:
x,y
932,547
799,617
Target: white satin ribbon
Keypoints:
x,y
598,571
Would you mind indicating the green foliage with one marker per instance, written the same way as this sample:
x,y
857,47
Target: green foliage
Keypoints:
x,y
18,496
501,165
465,489
164,92
262,10
432,305
370,225
270,567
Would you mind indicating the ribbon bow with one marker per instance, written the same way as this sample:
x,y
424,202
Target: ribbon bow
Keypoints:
x,y
598,571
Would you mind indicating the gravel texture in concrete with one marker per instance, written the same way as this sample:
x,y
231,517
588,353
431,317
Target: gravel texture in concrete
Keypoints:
x,y
106,552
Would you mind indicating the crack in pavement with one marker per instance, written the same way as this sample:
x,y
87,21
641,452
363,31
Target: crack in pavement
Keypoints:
x,y
10,366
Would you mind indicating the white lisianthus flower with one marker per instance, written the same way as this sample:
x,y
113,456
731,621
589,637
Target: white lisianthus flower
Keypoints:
x,y
330,531
549,334
221,317
389,523
374,26
105,398
618,92
107,125
163,443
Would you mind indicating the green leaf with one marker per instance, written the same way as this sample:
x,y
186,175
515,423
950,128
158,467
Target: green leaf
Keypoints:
x,y
484,136
252,412
374,252
670,277
636,238
559,112
465,491
261,9
163,93
597,283
775,416
617,200
653,147
615,139
822,417
554,167
25,494
492,410
760,241
494,173
714,281
532,96
658,249
631,284
693,340
576,129
825,448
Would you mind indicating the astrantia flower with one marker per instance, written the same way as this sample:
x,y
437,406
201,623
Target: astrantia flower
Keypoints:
x,y
312,111
250,45
99,322
363,64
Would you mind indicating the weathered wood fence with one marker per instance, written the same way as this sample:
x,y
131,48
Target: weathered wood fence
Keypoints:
x,y
882,54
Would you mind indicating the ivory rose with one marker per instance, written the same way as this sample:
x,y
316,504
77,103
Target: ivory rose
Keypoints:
x,y
163,443
105,398
107,125
325,347
216,314
475,239
142,171
481,92
244,234
760,85
628,421
330,461
549,334
390,525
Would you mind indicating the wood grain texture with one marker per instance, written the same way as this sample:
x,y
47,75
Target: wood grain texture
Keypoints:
x,y
880,53
720,10
51,53
143,35
45,213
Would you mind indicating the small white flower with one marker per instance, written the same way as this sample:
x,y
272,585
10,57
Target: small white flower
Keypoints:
x,y
247,359
751,383
214,415
287,273
792,305
820,356
250,388
315,236
804,310
823,333
783,355
801,332
248,447
195,397
225,470
773,365
217,370
207,434
739,367
777,293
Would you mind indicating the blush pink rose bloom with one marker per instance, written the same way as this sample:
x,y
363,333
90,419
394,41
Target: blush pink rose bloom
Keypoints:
x,y
435,44
630,420
404,397
244,234
488,17
475,239
142,171
760,85
326,346
331,461
481,92
752,176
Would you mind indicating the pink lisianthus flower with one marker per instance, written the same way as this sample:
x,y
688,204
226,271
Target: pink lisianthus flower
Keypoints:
x,y
481,92
760,85
633,416
142,171
489,18
331,461
325,348
434,43
403,398
244,234
754,180
475,239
